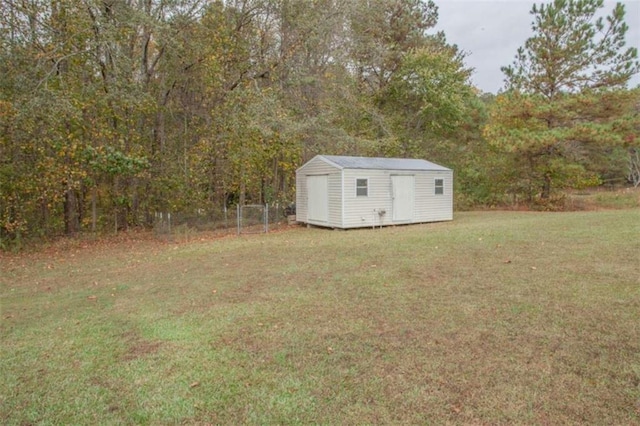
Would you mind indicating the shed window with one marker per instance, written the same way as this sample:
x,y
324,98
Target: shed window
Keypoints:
x,y
362,187
439,186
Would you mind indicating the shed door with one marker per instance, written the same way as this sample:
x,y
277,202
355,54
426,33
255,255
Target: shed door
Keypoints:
x,y
318,198
402,188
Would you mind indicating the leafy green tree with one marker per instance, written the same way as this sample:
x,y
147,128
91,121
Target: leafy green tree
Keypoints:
x,y
565,105
429,96
418,85
382,32
113,110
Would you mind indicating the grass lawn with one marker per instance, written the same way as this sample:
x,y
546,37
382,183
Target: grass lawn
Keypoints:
x,y
494,318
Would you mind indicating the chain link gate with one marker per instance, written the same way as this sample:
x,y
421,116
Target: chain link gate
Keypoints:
x,y
253,218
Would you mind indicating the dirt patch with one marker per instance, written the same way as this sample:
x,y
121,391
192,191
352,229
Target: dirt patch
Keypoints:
x,y
137,347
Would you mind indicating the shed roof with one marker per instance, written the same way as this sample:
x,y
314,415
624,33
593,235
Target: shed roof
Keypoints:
x,y
345,162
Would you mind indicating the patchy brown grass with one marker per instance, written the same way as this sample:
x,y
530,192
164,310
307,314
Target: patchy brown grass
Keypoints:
x,y
137,346
602,199
494,318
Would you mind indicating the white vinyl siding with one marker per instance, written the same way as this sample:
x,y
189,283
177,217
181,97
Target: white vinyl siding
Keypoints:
x,y
362,211
348,207
319,167
431,207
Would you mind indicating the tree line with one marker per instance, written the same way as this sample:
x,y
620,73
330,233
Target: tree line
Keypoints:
x,y
112,110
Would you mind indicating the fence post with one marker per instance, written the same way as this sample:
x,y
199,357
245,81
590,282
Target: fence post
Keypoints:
x,y
238,212
266,218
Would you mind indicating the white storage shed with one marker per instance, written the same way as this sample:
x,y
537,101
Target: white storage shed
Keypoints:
x,y
354,192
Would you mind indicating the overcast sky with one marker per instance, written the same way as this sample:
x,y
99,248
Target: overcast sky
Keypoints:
x,y
491,31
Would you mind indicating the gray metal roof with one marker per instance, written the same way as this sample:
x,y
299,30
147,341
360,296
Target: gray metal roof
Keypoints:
x,y
345,162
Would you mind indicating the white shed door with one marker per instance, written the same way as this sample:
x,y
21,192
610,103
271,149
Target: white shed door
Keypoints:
x,y
318,197
403,198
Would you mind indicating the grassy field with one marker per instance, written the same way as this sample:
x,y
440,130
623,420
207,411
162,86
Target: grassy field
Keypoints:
x,y
596,199
494,318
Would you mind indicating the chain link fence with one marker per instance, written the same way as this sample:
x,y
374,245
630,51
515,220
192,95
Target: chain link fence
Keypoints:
x,y
239,219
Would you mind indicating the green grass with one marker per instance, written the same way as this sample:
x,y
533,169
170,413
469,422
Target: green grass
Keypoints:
x,y
494,318
597,199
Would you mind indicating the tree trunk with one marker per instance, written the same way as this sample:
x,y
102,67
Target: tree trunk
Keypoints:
x,y
546,187
159,132
135,202
44,209
121,208
71,220
94,213
242,196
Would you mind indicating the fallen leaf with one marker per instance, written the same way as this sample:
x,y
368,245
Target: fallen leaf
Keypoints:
x,y
507,261
534,268
194,384
92,297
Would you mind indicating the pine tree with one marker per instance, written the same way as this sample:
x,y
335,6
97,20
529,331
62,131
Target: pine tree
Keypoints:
x,y
566,104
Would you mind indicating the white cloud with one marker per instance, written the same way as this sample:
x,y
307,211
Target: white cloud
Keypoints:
x,y
491,31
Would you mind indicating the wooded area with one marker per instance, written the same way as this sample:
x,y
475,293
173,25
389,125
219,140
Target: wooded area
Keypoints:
x,y
112,110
